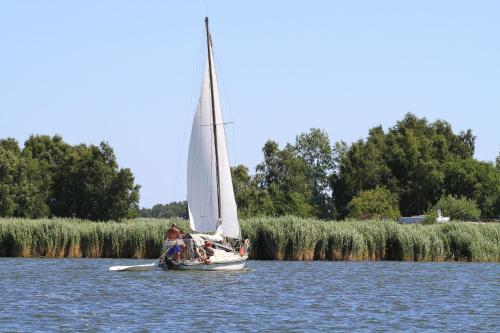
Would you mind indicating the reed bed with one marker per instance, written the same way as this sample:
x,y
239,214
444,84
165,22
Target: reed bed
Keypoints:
x,y
291,238
141,238
284,238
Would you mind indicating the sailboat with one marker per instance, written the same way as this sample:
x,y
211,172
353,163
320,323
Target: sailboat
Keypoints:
x,y
211,203
217,243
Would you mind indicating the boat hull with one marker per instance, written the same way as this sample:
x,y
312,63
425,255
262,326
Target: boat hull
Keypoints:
x,y
232,265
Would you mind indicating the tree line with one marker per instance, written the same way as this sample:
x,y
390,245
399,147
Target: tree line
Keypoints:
x,y
407,169
411,168
173,209
49,177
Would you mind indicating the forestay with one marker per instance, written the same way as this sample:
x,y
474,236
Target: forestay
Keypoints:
x,y
202,175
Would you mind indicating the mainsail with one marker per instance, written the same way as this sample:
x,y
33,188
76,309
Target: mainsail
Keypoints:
x,y
203,201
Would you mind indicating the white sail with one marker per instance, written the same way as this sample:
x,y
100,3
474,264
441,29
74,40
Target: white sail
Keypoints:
x,y
202,174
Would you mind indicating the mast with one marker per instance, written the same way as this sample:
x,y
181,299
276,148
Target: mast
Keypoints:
x,y
209,53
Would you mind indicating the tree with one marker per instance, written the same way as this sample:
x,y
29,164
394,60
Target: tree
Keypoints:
x,y
32,189
361,166
51,155
172,209
49,177
122,196
414,152
251,199
92,187
420,162
486,191
378,203
315,149
9,161
283,175
10,144
475,180
461,209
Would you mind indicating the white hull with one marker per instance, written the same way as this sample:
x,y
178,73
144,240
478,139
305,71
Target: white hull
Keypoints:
x,y
232,266
228,265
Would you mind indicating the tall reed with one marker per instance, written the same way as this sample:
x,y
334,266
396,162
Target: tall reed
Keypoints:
x,y
284,238
292,238
140,238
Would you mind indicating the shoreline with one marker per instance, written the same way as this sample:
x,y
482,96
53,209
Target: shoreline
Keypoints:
x,y
284,238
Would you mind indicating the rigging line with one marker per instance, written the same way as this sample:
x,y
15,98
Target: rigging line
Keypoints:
x,y
225,98
211,70
192,104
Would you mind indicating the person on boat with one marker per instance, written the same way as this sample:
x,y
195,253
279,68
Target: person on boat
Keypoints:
x,y
209,248
201,255
173,240
173,233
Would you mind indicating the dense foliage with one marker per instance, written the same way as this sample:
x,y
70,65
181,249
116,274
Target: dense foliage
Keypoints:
x,y
173,209
49,177
404,170
294,180
459,209
285,238
417,161
420,162
378,203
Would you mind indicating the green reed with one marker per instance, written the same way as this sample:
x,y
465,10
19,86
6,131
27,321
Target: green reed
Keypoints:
x,y
139,238
283,238
291,238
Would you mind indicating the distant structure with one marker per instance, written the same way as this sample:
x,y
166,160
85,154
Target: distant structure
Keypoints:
x,y
412,219
420,218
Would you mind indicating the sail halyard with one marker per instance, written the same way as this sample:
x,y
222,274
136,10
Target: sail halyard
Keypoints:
x,y
209,173
209,55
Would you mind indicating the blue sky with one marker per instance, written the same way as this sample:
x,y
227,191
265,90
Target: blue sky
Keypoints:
x,y
129,72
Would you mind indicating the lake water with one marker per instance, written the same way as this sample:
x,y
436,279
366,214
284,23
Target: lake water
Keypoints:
x,y
82,295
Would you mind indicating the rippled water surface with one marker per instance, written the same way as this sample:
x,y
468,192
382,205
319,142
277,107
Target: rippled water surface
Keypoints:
x,y
82,295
